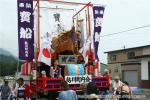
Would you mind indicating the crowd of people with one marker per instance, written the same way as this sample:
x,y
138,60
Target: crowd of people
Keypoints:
x,y
117,90
18,91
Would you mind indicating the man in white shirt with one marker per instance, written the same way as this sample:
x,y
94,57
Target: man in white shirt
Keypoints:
x,y
116,84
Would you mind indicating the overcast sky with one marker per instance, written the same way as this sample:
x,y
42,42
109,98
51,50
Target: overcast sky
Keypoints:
x,y
119,15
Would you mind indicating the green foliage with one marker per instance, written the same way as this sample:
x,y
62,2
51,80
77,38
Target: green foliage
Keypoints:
x,y
8,65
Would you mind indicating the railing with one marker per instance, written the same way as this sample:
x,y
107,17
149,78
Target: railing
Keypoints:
x,y
54,84
101,82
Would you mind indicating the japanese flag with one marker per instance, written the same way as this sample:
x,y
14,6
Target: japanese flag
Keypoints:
x,y
45,56
86,49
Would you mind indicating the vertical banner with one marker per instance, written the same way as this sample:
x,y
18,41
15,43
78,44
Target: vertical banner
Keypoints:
x,y
80,28
98,12
25,29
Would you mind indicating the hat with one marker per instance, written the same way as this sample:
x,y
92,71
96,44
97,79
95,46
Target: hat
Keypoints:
x,y
106,70
43,72
116,77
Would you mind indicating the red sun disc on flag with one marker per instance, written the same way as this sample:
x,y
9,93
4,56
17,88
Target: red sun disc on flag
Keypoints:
x,y
46,52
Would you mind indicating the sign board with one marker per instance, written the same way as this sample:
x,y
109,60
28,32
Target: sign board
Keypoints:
x,y
98,12
67,59
25,29
79,79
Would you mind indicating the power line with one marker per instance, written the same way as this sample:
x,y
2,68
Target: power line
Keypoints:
x,y
126,30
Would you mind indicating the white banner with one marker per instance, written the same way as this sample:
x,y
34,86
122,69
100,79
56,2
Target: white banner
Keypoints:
x,y
78,79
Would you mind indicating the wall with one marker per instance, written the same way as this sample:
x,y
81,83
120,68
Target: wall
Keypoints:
x,y
114,68
146,50
133,67
122,56
144,68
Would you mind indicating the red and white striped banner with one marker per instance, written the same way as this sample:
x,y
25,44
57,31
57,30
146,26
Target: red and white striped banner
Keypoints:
x,y
26,68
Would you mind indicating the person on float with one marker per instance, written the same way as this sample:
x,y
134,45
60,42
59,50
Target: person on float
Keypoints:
x,y
105,90
55,70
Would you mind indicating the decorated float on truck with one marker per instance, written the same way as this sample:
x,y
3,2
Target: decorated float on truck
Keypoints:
x,y
69,54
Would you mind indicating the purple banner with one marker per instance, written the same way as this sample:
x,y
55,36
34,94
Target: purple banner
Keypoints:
x,y
98,12
25,29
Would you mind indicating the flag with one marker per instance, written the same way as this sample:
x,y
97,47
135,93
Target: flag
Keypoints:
x,y
98,12
45,50
85,51
25,29
80,28
97,67
86,56
45,56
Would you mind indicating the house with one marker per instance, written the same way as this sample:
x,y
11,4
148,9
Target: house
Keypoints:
x,y
131,64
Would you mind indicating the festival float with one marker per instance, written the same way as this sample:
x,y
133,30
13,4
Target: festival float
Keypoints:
x,y
53,50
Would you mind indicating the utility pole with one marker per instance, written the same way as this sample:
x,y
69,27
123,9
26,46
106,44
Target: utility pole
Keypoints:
x,y
0,66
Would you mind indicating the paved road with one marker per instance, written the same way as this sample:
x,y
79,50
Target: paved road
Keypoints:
x,y
147,98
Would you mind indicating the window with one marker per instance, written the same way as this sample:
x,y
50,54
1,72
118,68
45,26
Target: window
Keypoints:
x,y
149,70
131,55
113,57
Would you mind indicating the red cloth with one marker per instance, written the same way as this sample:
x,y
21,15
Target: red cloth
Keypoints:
x,y
27,90
54,55
108,78
90,69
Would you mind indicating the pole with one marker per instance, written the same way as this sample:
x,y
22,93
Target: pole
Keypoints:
x,y
87,34
38,49
66,2
38,2
17,74
51,8
89,19
81,9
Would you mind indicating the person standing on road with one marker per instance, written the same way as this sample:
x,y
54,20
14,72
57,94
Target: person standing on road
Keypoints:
x,y
125,92
22,90
67,94
13,95
5,90
92,91
116,84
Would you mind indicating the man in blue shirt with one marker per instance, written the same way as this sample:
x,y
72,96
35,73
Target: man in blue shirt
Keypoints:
x,y
67,94
5,90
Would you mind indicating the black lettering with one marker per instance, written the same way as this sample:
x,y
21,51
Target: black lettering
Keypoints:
x,y
83,79
78,79
68,79
88,79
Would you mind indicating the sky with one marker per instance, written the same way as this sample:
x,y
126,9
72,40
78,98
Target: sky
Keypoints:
x,y
119,15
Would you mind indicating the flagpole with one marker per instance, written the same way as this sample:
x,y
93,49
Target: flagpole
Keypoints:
x,y
38,10
89,27
86,25
87,30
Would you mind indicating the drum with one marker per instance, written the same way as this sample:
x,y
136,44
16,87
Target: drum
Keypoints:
x,y
74,69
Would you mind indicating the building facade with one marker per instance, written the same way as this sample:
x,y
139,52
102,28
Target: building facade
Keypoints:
x,y
130,65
